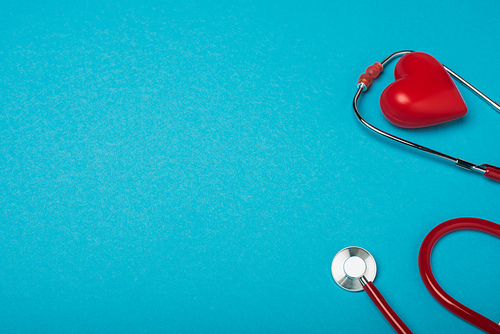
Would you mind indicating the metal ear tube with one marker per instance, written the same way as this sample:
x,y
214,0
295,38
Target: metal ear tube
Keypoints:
x,y
373,71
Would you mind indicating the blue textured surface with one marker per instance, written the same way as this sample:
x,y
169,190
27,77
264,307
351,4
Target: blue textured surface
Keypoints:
x,y
194,167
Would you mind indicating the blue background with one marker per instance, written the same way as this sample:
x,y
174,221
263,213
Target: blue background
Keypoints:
x,y
195,166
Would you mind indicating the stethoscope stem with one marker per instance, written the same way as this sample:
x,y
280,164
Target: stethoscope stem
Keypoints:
x,y
489,171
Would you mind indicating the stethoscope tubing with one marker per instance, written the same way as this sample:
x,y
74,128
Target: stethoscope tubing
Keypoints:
x,y
424,263
384,308
489,171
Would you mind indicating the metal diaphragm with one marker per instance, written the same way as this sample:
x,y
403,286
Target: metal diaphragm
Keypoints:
x,y
341,275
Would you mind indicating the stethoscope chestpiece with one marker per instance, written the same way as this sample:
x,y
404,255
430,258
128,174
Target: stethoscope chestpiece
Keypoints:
x,y
354,269
351,266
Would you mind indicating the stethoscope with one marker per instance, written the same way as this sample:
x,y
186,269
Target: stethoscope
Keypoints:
x,y
373,71
354,269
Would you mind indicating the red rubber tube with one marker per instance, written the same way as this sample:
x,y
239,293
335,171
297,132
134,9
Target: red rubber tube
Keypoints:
x,y
385,309
492,172
424,263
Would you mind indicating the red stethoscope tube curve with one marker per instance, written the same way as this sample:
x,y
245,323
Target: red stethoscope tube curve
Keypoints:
x,y
385,309
424,263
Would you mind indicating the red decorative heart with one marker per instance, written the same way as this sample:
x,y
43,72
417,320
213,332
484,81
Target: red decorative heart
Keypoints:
x,y
422,95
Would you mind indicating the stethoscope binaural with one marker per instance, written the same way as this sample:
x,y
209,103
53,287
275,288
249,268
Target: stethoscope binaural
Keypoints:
x,y
354,269
373,72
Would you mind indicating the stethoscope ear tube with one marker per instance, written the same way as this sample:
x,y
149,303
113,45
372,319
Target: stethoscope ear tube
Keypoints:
x,y
424,263
373,71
